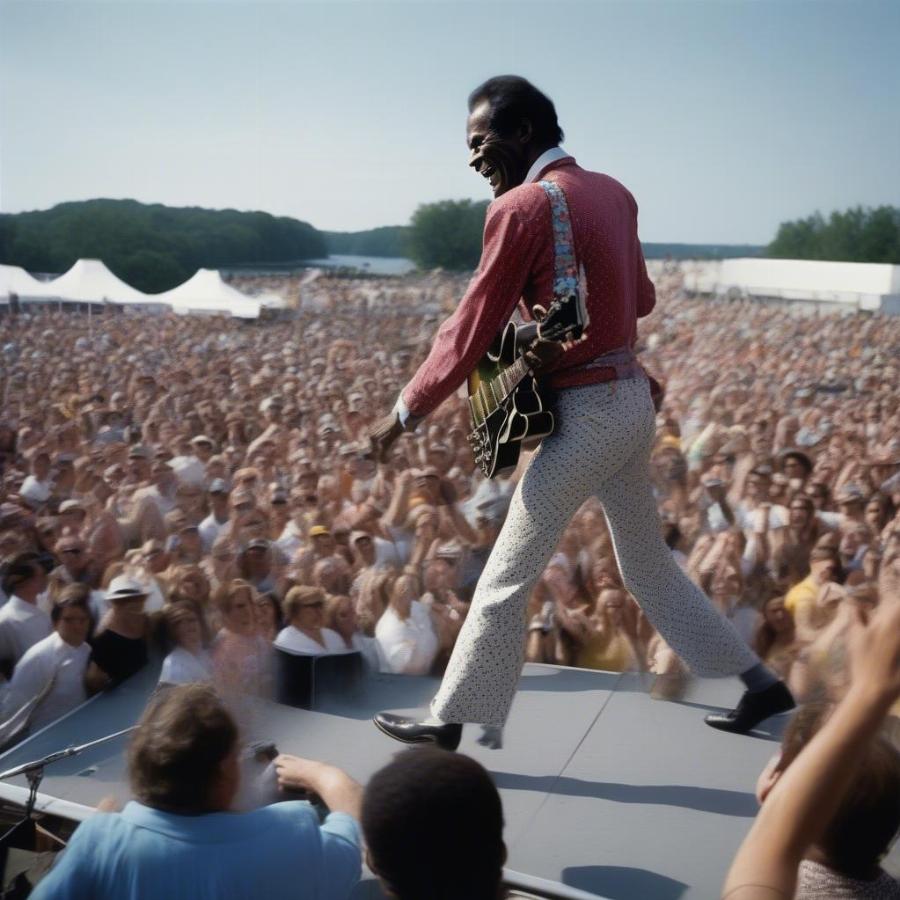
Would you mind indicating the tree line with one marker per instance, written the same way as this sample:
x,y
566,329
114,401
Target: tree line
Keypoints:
x,y
151,246
156,247
448,234
857,235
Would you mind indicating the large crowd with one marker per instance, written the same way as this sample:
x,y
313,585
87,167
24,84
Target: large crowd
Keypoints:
x,y
201,490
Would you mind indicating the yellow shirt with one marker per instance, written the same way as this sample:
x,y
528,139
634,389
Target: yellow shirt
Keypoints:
x,y
613,655
801,596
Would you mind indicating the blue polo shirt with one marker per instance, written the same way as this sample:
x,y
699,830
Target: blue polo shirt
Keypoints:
x,y
272,852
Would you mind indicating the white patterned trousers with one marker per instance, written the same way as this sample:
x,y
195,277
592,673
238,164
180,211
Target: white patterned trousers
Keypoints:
x,y
601,447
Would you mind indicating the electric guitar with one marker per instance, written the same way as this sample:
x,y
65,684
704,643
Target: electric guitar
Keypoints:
x,y
505,404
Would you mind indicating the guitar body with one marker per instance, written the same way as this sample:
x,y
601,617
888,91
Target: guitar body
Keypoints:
x,y
505,405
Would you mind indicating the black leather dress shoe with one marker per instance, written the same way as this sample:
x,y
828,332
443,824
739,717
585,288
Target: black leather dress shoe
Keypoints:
x,y
754,708
409,731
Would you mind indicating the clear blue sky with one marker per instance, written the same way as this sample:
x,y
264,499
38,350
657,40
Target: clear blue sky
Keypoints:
x,y
724,118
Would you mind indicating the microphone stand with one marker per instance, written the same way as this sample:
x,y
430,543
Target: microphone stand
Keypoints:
x,y
34,772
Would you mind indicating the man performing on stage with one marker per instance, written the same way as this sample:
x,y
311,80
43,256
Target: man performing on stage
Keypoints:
x,y
605,420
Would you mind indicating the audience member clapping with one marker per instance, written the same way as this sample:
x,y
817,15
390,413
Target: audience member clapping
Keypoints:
x,y
405,632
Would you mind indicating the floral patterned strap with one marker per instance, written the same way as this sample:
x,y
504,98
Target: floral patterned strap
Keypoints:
x,y
565,269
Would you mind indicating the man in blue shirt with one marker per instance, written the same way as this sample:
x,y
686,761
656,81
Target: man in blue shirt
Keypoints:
x,y
177,840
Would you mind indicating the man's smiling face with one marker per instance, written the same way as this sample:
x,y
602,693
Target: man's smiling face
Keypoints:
x,y
503,161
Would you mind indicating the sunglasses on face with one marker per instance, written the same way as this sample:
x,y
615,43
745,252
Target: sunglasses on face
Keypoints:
x,y
317,605
73,551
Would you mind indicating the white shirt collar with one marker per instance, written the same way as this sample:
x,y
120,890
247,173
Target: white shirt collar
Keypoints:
x,y
547,157
17,603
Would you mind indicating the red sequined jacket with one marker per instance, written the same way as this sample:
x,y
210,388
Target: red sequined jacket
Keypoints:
x,y
517,267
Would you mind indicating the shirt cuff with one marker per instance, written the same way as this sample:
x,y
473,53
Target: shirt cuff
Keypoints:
x,y
407,419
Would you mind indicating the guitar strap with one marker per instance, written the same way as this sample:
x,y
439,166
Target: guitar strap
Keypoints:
x,y
568,279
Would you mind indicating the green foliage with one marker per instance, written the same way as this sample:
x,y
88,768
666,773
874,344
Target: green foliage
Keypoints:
x,y
447,234
153,247
389,240
857,235
7,235
151,267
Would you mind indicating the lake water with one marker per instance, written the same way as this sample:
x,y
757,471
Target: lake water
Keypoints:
x,y
377,265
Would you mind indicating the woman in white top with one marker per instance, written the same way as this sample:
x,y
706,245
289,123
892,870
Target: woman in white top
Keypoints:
x,y
189,660
48,680
304,609
341,617
405,633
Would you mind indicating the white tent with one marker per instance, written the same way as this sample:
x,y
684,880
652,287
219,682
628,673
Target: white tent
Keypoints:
x,y
89,281
207,294
848,285
15,280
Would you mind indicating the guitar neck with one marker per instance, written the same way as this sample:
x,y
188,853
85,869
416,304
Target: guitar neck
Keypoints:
x,y
492,393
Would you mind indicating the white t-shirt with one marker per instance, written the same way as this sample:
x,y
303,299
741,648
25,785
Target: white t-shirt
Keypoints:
x,y
22,625
183,667
210,528
296,641
831,520
52,666
749,521
189,469
402,541
36,491
291,540
386,554
408,646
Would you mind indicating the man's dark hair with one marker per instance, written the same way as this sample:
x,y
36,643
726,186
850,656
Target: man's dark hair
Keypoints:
x,y
21,567
181,741
513,99
868,818
433,823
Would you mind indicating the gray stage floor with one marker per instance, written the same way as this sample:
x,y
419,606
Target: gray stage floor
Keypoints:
x,y
604,788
